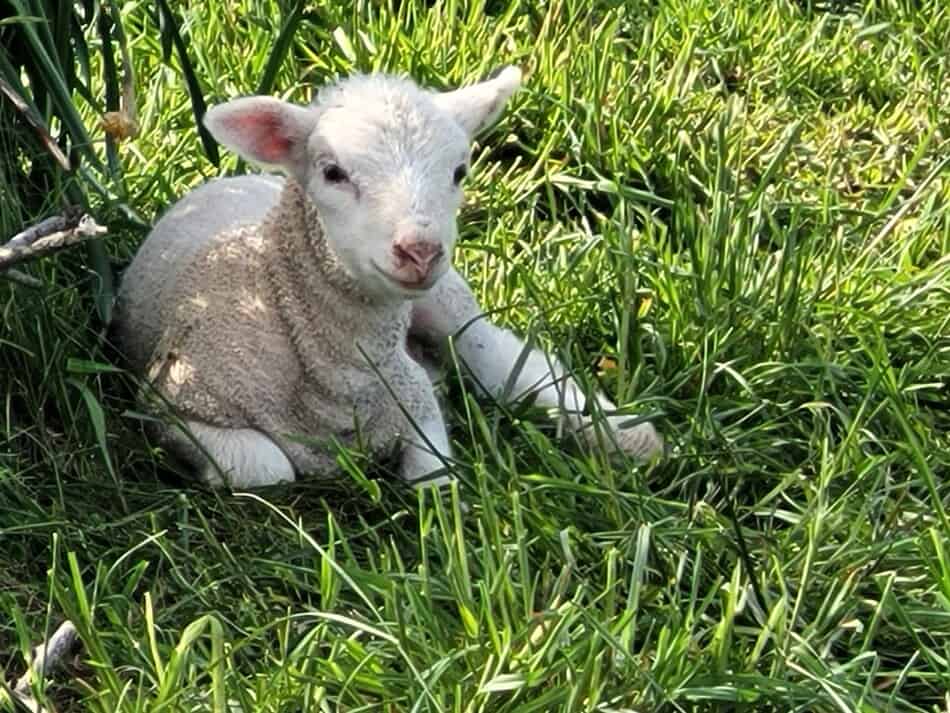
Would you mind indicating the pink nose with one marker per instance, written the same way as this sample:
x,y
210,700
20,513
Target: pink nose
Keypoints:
x,y
418,256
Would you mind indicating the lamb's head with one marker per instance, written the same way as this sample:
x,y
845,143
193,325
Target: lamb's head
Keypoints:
x,y
382,159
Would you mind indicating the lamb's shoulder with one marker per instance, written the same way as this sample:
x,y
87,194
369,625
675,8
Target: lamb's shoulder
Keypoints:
x,y
224,350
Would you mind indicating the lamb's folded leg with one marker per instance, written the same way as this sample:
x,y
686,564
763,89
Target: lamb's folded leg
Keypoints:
x,y
493,354
236,457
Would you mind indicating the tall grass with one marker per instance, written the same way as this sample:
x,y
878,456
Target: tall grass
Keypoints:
x,y
732,216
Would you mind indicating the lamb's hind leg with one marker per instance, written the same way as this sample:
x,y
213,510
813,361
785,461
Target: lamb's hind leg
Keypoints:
x,y
235,457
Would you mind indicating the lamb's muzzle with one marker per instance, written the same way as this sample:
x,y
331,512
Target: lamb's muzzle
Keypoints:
x,y
273,314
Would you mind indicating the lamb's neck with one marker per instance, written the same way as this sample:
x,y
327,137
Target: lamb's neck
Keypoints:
x,y
326,312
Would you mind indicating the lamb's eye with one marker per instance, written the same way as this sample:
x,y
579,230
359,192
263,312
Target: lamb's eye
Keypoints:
x,y
460,173
334,174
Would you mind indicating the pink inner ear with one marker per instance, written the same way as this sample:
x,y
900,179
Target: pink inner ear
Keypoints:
x,y
263,135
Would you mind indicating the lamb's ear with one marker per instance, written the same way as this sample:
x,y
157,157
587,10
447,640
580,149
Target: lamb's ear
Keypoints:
x,y
262,129
478,106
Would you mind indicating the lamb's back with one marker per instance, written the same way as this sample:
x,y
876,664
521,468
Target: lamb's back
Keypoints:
x,y
151,283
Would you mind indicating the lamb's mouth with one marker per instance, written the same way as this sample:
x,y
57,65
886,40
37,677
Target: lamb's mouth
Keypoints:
x,y
419,286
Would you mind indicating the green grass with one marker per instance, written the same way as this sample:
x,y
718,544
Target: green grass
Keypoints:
x,y
734,216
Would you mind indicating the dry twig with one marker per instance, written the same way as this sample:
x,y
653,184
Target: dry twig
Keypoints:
x,y
46,237
47,659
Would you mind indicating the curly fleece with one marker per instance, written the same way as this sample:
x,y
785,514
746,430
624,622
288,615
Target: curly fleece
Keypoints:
x,y
262,328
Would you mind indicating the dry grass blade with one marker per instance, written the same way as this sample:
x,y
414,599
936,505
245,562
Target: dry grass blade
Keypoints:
x,y
36,123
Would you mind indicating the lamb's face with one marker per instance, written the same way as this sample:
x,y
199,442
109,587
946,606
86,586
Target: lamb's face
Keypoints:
x,y
386,167
382,160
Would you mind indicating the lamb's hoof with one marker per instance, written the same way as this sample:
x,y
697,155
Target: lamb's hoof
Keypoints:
x,y
641,441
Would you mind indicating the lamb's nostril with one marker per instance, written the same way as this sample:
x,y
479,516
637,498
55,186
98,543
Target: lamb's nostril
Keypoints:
x,y
429,254
402,255
420,253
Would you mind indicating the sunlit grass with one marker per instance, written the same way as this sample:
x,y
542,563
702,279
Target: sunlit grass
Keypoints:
x,y
731,216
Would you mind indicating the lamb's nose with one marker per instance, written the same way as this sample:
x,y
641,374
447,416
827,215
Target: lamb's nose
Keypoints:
x,y
421,254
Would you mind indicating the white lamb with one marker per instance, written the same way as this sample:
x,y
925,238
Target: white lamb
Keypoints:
x,y
273,314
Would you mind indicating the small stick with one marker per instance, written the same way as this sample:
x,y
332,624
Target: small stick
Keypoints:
x,y
47,237
47,658
54,224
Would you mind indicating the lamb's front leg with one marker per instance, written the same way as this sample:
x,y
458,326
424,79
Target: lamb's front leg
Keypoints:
x,y
493,354
426,450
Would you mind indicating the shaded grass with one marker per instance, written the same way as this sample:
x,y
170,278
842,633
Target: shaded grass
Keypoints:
x,y
732,217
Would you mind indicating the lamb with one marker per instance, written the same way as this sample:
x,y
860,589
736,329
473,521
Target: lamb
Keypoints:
x,y
272,315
